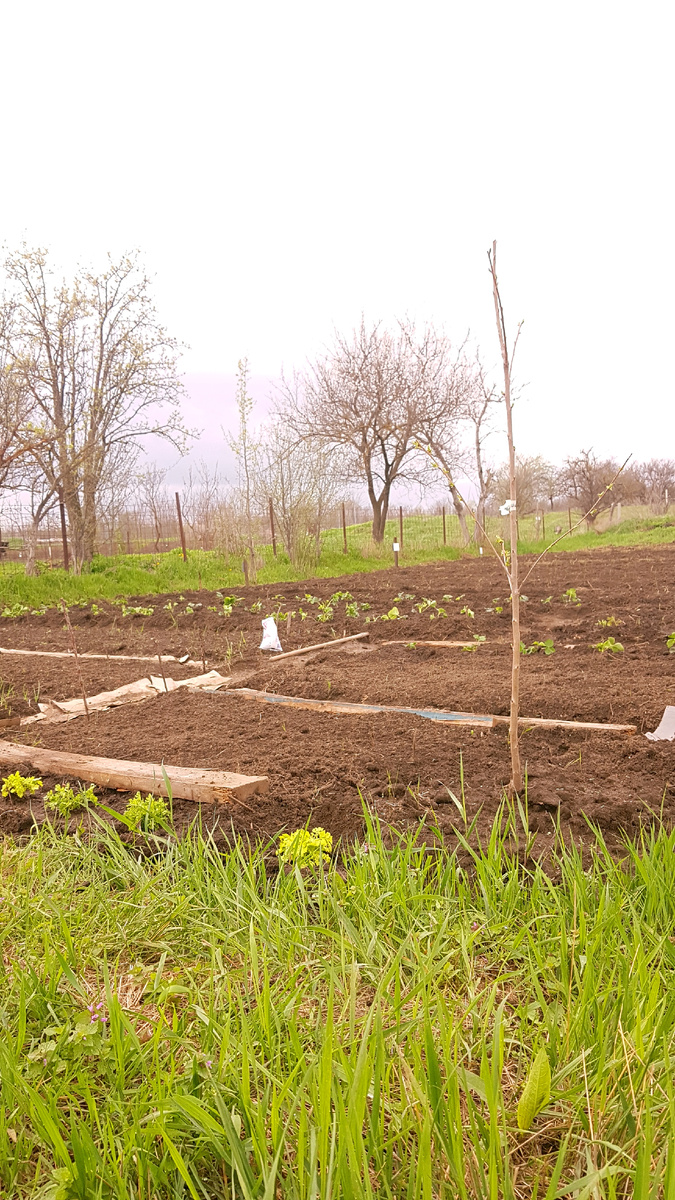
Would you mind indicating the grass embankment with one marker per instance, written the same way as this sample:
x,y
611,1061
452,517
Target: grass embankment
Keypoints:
x,y
141,574
189,1026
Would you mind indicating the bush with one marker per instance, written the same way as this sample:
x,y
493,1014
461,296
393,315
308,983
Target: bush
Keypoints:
x,y
147,814
305,849
65,800
17,784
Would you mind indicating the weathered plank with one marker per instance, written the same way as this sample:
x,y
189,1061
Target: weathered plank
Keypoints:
x,y
354,637
554,723
344,706
187,783
106,657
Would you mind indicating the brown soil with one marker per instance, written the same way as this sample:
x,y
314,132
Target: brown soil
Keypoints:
x,y
320,765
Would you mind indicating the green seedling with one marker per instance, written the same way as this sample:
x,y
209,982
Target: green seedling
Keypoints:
x,y
405,596
608,622
16,610
670,642
609,644
352,610
304,848
411,646
256,607
392,615
137,610
570,597
148,813
20,785
471,649
467,612
326,611
547,647
547,600
65,800
338,596
537,1091
310,599
479,637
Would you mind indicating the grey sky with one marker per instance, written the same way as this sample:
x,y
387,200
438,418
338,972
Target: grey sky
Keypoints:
x,y
284,166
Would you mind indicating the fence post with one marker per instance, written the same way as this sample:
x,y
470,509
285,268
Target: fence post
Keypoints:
x,y
569,518
180,527
245,570
445,540
400,525
274,540
64,535
543,524
344,530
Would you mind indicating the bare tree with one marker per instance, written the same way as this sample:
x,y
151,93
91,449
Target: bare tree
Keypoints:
x,y
101,371
246,449
302,480
479,411
153,497
657,482
363,399
452,384
532,478
20,434
587,479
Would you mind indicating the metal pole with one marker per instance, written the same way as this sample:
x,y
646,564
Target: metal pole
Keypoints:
x,y
180,527
64,535
274,540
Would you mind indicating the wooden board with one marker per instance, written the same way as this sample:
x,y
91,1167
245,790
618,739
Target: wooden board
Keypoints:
x,y
190,662
553,723
420,642
354,637
187,783
343,706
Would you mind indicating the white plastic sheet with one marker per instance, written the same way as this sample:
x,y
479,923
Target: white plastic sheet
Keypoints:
x,y
270,639
666,730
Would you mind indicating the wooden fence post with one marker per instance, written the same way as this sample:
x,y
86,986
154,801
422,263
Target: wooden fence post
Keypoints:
x,y
344,530
64,534
445,540
400,526
543,524
569,518
180,527
274,540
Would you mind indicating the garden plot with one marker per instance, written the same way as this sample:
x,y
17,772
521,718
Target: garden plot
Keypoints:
x,y
320,765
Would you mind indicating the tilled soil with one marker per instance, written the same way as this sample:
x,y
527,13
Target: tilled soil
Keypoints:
x,y
322,766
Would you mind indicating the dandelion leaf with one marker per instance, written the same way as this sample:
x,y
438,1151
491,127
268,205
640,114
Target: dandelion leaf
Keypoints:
x,y
537,1091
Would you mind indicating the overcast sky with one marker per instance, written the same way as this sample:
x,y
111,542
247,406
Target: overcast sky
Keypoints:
x,y
285,165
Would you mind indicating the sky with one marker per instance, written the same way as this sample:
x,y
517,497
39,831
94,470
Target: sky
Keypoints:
x,y
287,165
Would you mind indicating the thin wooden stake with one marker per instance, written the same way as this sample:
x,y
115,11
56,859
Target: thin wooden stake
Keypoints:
x,y
344,531
445,540
245,569
400,527
180,527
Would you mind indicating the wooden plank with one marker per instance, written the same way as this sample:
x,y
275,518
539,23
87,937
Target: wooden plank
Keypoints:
x,y
187,783
553,723
106,657
354,637
419,642
344,706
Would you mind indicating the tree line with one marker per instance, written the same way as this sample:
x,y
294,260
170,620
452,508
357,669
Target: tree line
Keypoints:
x,y
88,372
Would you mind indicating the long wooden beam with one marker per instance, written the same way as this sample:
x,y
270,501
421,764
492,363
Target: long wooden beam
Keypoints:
x,y
353,637
187,783
344,706
421,642
553,723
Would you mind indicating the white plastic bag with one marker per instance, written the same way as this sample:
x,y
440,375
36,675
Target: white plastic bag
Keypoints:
x,y
270,639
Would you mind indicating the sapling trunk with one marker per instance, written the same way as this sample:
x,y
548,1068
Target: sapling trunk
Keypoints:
x,y
516,769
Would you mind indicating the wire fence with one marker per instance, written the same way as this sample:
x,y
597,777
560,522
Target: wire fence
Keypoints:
x,y
346,528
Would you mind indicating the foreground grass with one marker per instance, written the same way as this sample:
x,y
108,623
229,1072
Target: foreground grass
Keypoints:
x,y
194,1026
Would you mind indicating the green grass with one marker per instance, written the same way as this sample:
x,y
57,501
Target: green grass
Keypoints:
x,y
356,1032
141,574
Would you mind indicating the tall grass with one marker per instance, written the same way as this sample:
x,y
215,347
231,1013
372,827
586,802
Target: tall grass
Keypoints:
x,y
359,1031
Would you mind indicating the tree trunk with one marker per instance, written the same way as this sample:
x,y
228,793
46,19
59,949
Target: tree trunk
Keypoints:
x,y
30,546
461,513
380,507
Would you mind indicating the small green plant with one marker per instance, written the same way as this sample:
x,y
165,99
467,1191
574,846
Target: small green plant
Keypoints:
x,y
608,622
305,848
670,642
537,1091
570,597
467,612
325,612
352,610
404,596
547,600
147,814
608,644
137,610
546,647
65,800
16,610
338,596
256,607
20,785
310,598
392,615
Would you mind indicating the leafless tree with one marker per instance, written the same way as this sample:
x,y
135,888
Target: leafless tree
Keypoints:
x,y
154,499
657,482
586,481
101,371
246,449
532,478
363,399
20,432
479,413
301,479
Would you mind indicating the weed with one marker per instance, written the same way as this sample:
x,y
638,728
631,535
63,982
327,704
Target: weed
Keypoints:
x,y
147,814
352,610
609,644
467,612
304,848
19,785
137,610
547,600
608,622
570,597
392,615
670,642
65,800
